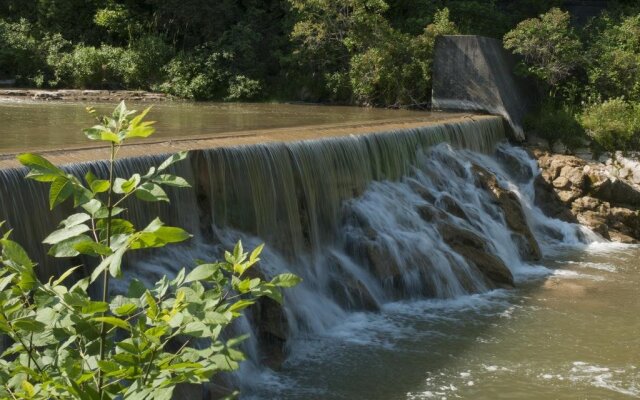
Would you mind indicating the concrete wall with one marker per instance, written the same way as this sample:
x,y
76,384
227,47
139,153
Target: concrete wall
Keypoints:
x,y
474,73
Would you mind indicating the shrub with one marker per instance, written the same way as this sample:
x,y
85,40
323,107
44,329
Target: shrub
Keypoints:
x,y
614,57
397,71
550,49
613,124
88,67
207,74
556,123
65,344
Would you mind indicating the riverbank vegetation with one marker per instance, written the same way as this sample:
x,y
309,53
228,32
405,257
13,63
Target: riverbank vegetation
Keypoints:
x,y
369,52
588,77
366,52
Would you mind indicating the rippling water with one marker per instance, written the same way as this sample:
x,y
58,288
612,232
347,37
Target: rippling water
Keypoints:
x,y
570,331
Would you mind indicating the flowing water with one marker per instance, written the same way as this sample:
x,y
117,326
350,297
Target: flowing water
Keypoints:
x,y
388,308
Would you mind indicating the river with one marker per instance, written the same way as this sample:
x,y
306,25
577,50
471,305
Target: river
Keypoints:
x,y
569,330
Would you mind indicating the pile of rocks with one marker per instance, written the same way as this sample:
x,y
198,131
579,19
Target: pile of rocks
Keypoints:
x,y
605,196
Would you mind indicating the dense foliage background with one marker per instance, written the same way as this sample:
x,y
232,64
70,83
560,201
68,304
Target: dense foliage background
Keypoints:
x,y
372,52
367,52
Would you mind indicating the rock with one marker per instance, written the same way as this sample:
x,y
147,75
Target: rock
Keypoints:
x,y
586,203
561,183
519,171
603,196
622,238
452,206
594,221
272,327
514,216
546,198
476,251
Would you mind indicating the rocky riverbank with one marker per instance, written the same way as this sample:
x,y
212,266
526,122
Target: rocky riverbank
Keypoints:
x,y
82,95
605,196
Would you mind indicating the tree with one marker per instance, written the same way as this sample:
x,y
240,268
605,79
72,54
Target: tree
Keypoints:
x,y
139,344
550,48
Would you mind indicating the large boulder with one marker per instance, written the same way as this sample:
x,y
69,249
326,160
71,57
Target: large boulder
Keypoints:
x,y
514,215
475,250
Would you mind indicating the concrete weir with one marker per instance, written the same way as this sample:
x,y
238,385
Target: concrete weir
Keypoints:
x,y
286,186
475,73
94,152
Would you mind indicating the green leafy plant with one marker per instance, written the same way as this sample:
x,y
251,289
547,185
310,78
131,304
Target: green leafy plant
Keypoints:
x,y
550,48
64,344
556,123
613,124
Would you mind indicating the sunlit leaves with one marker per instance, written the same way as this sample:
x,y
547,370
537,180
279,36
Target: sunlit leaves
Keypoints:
x,y
63,339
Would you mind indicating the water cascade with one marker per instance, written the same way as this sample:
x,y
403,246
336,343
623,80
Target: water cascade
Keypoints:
x,y
438,211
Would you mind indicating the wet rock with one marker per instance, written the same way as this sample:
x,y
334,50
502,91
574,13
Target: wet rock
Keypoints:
x,y
452,206
271,325
476,251
384,266
519,171
513,213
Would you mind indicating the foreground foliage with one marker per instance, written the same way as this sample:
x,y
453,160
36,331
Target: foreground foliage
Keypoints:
x,y
66,344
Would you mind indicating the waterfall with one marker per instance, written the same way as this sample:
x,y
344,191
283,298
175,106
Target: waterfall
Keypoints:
x,y
363,219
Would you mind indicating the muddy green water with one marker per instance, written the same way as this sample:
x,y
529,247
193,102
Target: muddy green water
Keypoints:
x,y
44,125
570,332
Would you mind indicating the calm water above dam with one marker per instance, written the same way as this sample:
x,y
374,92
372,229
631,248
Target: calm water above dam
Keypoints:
x,y
31,125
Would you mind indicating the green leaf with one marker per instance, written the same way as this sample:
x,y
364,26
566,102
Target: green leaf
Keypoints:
x,y
171,234
12,251
75,219
115,265
113,262
40,168
28,388
201,272
122,186
95,307
29,324
5,281
92,206
67,247
240,305
143,130
101,132
135,121
65,233
152,311
92,248
151,192
126,309
131,184
113,321
100,186
172,160
61,189
65,275
254,257
172,180
286,280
